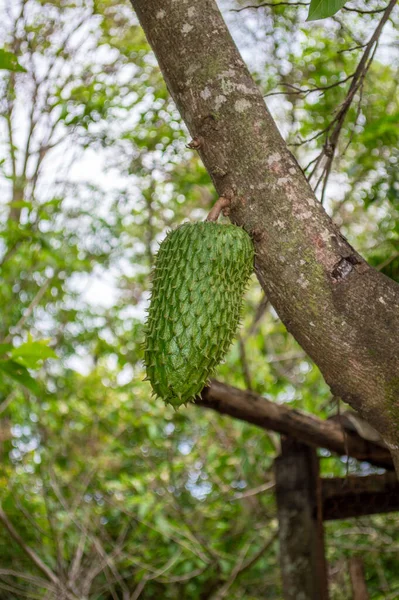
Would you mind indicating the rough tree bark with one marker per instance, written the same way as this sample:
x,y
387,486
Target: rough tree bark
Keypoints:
x,y
342,312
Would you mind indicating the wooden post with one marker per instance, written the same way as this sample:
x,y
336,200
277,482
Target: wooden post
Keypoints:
x,y
301,534
356,573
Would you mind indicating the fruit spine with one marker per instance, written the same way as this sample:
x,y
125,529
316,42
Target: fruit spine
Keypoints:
x,y
199,280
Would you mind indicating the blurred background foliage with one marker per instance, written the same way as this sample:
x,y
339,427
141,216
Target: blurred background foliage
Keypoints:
x,y
113,495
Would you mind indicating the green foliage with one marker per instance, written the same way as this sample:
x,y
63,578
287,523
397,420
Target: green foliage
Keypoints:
x,y
16,361
19,373
199,281
31,354
9,62
321,9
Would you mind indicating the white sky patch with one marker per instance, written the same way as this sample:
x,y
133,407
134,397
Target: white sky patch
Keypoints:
x,y
81,364
125,376
101,291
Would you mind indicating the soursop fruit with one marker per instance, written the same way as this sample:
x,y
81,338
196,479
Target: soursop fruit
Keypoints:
x,y
199,280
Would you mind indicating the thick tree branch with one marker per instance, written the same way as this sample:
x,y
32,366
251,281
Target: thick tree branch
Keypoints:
x,y
342,312
252,408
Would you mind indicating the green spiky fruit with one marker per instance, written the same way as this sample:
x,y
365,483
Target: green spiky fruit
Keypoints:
x,y
199,280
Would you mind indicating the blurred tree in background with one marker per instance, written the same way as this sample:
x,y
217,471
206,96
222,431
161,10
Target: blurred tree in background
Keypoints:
x,y
107,494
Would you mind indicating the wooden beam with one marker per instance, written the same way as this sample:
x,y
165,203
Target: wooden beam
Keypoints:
x,y
252,408
301,535
346,497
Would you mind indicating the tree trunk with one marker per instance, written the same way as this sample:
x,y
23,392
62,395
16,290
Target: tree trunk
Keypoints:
x,y
343,312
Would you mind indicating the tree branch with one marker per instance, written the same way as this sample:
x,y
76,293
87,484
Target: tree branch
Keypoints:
x,y
343,312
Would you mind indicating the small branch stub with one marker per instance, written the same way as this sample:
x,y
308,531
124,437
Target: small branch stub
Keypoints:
x,y
195,143
221,205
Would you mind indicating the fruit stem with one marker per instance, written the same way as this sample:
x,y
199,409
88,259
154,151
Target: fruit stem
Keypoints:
x,y
222,204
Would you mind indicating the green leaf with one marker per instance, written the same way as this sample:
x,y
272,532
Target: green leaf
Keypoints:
x,y
21,204
20,374
321,9
9,62
4,348
31,354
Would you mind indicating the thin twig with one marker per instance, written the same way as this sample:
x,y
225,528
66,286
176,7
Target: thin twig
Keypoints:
x,y
269,4
297,91
387,262
244,364
265,487
274,4
331,142
363,12
5,404
260,311
34,304
352,48
50,575
243,565
140,587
